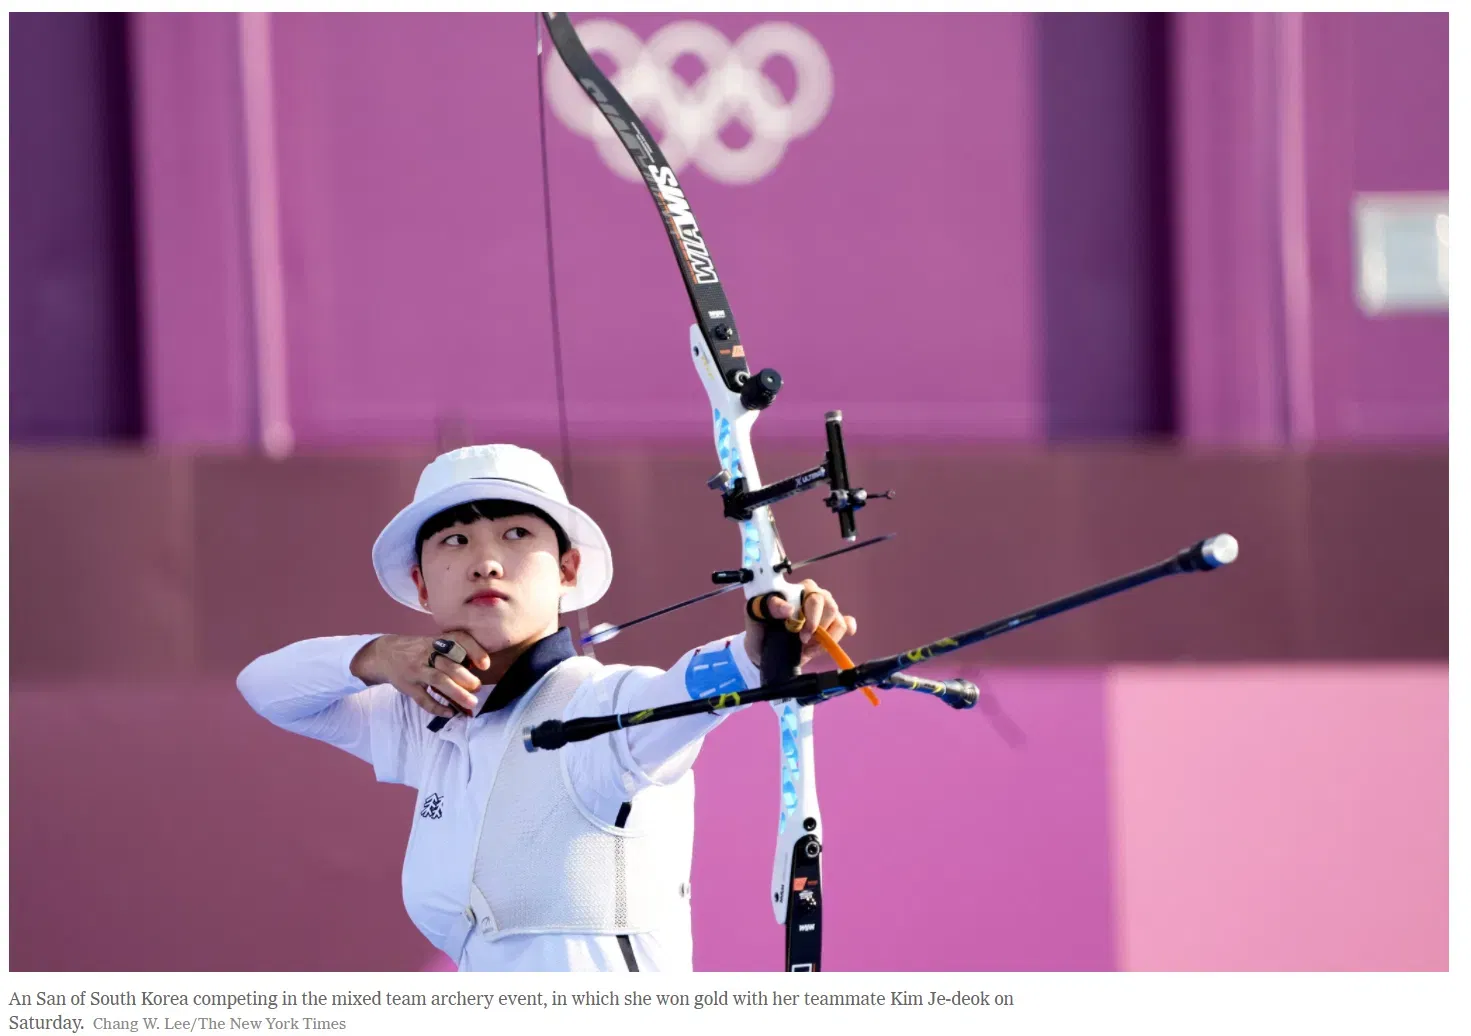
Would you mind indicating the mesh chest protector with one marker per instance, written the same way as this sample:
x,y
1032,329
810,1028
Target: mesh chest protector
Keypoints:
x,y
543,863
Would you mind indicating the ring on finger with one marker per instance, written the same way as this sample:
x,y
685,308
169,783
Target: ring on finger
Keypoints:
x,y
450,650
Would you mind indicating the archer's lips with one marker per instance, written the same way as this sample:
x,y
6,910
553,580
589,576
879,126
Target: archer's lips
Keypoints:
x,y
486,598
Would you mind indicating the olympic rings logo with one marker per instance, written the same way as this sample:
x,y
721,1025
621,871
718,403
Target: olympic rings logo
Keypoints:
x,y
691,117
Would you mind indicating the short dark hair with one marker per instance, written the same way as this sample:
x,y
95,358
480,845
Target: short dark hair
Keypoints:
x,y
465,514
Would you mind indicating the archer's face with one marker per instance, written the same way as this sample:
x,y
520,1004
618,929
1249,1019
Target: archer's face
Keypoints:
x,y
500,580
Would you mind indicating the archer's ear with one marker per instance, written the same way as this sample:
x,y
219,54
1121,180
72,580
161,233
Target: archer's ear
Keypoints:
x,y
571,563
420,585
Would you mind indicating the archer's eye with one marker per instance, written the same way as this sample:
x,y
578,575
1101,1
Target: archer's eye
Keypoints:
x,y
455,539
517,532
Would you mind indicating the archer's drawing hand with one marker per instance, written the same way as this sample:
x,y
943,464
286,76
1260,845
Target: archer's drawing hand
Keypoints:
x,y
818,610
404,663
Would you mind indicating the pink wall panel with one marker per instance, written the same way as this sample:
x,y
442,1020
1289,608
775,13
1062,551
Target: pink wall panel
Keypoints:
x,y
945,849
1291,818
1155,818
164,826
1280,119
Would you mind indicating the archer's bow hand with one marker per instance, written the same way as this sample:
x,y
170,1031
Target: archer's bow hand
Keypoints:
x,y
819,610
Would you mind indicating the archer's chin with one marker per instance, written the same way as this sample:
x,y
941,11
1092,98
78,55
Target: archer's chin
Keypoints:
x,y
494,628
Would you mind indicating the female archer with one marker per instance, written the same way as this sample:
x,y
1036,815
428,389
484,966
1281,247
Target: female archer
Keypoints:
x,y
575,860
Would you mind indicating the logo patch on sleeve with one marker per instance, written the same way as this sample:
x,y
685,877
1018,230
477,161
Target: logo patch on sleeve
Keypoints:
x,y
713,672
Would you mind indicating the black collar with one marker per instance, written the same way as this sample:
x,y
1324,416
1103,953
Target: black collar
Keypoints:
x,y
535,662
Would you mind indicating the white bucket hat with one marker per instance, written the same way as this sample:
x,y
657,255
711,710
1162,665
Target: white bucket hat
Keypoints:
x,y
494,472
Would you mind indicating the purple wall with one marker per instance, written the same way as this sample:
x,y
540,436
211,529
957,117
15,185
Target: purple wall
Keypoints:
x,y
1273,348
1104,278
1020,270
414,246
225,869
198,356
1378,107
1013,259
1153,819
73,322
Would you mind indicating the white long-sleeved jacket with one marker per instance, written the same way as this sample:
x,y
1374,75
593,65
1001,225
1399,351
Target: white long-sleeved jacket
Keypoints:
x,y
308,688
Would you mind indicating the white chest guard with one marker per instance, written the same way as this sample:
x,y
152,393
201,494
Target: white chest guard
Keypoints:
x,y
545,864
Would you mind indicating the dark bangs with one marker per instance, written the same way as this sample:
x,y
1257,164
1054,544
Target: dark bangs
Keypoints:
x,y
465,514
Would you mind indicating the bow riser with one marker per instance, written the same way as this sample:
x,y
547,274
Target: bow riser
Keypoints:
x,y
736,398
800,824
799,820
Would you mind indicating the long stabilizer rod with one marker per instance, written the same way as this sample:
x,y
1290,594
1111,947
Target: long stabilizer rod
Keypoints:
x,y
888,672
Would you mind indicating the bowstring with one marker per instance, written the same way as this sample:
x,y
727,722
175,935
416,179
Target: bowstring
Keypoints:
x,y
546,196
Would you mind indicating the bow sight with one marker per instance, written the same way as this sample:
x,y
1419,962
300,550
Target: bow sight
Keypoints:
x,y
741,503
